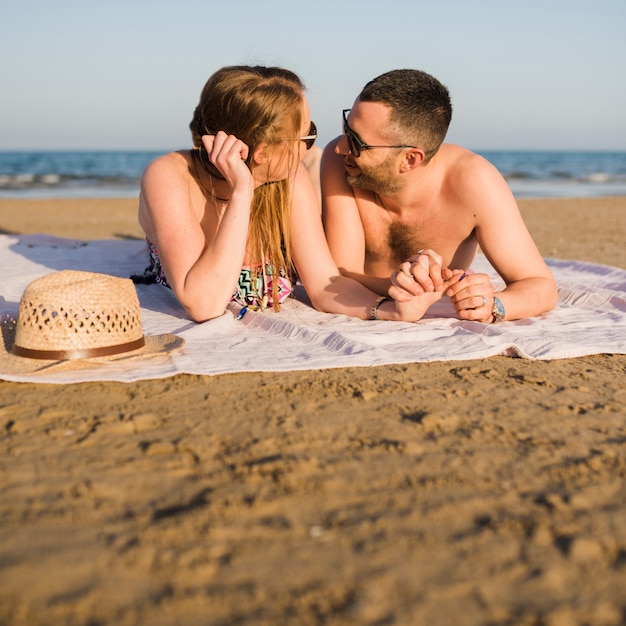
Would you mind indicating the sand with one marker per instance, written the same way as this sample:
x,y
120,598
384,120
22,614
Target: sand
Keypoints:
x,y
483,492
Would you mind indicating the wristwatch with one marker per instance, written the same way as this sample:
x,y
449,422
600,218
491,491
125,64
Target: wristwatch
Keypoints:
x,y
497,310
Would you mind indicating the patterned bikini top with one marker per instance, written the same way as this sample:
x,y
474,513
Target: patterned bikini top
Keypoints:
x,y
251,289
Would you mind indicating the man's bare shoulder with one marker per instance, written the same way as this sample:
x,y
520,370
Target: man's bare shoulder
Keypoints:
x,y
329,148
333,173
330,160
459,160
469,174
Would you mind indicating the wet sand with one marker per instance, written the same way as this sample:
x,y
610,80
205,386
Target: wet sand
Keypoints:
x,y
476,492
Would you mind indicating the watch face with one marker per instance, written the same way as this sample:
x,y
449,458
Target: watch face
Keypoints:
x,y
498,310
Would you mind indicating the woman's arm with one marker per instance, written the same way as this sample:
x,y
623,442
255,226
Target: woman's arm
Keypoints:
x,y
201,255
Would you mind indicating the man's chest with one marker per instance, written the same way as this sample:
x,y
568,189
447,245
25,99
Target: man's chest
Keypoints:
x,y
395,239
392,239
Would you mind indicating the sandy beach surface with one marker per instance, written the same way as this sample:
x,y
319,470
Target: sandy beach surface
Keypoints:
x,y
483,492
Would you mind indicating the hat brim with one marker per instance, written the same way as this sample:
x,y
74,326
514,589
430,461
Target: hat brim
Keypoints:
x,y
11,364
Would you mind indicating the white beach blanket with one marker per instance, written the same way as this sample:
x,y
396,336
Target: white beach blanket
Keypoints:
x,y
590,318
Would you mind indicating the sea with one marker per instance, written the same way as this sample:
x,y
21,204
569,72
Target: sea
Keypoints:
x,y
111,174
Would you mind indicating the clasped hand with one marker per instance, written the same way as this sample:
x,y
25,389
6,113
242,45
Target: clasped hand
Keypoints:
x,y
423,278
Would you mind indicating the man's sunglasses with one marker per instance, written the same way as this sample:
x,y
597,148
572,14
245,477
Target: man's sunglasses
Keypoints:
x,y
355,145
309,139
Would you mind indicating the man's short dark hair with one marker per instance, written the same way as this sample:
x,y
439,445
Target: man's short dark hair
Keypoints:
x,y
421,109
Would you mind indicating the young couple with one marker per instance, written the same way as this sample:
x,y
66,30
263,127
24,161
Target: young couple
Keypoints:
x,y
237,217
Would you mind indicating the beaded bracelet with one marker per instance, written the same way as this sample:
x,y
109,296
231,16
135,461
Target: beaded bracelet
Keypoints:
x,y
375,305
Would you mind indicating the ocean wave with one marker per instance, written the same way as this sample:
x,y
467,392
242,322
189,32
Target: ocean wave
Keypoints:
x,y
597,178
28,181
117,173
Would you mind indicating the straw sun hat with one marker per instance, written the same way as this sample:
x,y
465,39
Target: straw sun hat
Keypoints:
x,y
73,315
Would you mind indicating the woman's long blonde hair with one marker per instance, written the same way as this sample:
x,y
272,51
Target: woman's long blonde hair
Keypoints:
x,y
258,105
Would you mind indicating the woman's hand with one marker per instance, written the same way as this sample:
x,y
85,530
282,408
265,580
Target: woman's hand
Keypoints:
x,y
229,155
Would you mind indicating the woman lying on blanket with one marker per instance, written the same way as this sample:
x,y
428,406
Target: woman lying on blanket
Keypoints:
x,y
233,218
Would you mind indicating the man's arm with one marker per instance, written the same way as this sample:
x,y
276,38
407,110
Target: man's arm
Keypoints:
x,y
342,223
504,239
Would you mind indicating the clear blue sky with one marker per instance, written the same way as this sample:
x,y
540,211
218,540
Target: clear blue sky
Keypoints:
x,y
126,74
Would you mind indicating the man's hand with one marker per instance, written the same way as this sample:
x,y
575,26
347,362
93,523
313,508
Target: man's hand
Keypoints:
x,y
472,297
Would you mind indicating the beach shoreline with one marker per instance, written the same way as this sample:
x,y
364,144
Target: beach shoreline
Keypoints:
x,y
461,492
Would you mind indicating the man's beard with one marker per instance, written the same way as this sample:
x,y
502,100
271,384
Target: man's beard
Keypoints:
x,y
379,179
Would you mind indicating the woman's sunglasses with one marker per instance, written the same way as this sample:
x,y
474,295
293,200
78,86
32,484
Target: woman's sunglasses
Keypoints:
x,y
355,145
309,139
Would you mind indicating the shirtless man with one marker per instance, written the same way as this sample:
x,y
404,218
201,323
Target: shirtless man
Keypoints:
x,y
402,210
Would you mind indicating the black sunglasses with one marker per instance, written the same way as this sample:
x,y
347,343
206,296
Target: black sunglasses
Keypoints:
x,y
355,145
309,139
